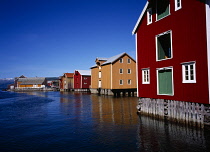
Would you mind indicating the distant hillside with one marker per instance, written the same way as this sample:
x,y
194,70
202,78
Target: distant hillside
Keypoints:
x,y
5,82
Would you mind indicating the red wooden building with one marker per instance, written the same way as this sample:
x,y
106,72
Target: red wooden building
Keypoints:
x,y
82,80
173,50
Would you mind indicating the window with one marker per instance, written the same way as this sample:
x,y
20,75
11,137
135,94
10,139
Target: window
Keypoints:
x,y
129,71
121,82
129,81
149,16
121,71
145,76
121,60
165,81
164,46
178,4
129,60
162,8
99,83
188,72
99,74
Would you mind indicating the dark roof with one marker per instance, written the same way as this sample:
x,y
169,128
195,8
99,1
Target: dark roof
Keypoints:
x,y
52,78
35,80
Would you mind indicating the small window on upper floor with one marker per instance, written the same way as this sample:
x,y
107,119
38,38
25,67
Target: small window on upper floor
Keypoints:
x,y
121,60
163,8
149,16
121,71
129,71
99,74
121,82
129,60
129,81
178,4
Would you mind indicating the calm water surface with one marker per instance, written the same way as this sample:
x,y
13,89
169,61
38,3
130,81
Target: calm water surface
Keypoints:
x,y
54,121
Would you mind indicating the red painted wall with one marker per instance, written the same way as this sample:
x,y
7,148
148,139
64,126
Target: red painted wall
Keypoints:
x,y
86,81
81,81
77,80
188,27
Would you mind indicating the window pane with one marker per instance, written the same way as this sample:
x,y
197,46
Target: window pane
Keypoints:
x,y
192,77
189,73
164,46
162,8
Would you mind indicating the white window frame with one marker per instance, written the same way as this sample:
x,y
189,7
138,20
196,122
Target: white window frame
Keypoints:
x,y
129,80
121,60
99,84
156,41
129,60
176,5
99,74
128,71
149,16
188,64
120,71
146,76
121,82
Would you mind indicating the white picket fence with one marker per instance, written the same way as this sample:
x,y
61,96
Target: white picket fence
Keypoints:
x,y
179,111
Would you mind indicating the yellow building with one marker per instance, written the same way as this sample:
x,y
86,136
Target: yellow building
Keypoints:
x,y
114,76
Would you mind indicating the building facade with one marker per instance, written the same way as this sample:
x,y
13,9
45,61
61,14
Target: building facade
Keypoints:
x,y
31,83
67,81
114,76
82,80
173,51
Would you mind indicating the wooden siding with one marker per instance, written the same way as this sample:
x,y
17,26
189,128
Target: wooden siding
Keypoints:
x,y
106,76
116,76
77,81
94,78
86,82
26,86
188,26
68,83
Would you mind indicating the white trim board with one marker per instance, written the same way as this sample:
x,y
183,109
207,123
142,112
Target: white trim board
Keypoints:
x,y
208,40
140,18
137,81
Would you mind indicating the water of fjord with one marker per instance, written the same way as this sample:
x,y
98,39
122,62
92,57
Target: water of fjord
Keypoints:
x,y
82,122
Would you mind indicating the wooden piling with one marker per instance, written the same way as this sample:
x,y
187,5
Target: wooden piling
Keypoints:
x,y
179,111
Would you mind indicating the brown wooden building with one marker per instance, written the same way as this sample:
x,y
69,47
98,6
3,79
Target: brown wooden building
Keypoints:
x,y
114,76
67,82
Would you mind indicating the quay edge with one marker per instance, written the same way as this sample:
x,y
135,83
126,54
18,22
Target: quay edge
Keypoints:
x,y
178,111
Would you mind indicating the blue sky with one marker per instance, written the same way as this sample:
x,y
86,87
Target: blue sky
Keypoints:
x,y
50,37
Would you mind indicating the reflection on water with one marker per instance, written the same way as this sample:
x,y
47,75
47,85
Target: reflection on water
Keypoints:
x,y
115,110
154,135
63,121
102,108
